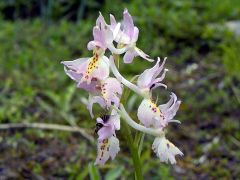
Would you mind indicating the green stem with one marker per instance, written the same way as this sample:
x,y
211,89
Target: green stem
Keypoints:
x,y
127,131
134,152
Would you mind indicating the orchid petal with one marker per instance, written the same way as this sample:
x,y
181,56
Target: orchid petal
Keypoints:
x,y
143,55
135,35
109,125
98,38
161,77
89,87
115,119
105,132
145,79
75,65
128,24
75,69
128,56
170,109
73,74
160,67
95,99
158,85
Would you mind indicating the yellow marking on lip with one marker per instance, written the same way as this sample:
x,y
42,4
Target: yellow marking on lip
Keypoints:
x,y
155,109
103,92
92,65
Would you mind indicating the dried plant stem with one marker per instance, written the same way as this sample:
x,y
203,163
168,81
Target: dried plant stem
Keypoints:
x,y
45,126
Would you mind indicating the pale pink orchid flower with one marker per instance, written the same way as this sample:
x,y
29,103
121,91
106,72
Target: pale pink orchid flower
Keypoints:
x,y
104,90
128,36
108,144
109,94
151,115
104,35
107,125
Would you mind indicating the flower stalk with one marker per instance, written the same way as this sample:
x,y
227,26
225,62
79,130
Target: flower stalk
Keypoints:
x,y
134,152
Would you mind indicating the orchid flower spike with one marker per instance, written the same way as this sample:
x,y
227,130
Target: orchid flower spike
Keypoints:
x,y
92,75
152,115
108,143
149,79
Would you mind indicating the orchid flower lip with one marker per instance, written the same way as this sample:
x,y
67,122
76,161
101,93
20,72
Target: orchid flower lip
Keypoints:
x,y
165,150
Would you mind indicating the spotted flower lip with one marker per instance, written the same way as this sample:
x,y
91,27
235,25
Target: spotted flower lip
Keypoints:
x,y
107,148
152,115
87,69
109,94
112,91
149,78
165,150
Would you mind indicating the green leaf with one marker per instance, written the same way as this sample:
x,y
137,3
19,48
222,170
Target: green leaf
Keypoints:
x,y
82,174
93,172
69,93
114,173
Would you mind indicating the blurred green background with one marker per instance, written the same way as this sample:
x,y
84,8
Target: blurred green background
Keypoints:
x,y
202,42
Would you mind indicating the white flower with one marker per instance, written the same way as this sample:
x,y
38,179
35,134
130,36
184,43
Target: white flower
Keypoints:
x,y
165,150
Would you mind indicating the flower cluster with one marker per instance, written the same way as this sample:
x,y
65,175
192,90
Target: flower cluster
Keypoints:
x,y
93,75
